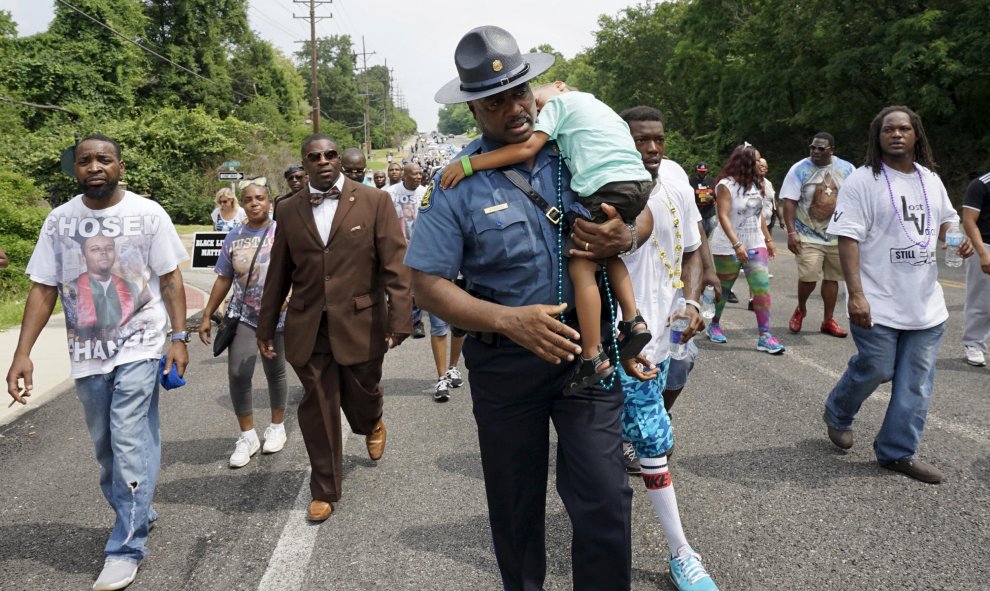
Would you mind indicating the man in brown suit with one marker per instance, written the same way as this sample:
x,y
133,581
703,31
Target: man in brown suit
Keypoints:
x,y
339,247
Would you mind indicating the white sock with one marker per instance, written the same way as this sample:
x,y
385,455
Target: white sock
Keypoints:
x,y
660,488
277,427
250,435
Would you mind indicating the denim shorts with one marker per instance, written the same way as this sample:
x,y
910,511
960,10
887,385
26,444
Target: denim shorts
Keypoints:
x,y
438,327
645,421
677,375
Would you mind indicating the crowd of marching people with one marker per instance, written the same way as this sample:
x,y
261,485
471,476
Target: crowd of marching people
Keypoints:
x,y
562,253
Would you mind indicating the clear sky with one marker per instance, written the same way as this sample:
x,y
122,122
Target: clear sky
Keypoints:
x,y
417,38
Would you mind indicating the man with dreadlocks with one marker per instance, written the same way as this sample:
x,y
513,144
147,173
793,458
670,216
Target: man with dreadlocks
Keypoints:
x,y
889,214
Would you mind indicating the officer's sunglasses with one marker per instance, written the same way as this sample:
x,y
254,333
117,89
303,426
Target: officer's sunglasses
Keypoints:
x,y
330,155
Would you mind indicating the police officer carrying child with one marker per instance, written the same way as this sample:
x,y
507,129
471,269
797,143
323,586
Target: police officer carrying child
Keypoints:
x,y
506,241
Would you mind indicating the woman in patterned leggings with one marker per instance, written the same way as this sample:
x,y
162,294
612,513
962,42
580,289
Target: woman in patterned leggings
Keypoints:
x,y
742,241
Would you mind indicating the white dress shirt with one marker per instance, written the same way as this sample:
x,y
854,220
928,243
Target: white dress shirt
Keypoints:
x,y
324,212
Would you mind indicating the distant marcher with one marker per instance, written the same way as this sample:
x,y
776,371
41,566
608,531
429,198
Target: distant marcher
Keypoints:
x,y
296,177
743,242
889,214
406,197
394,173
228,214
116,370
4,261
809,192
704,196
976,314
770,210
243,263
380,179
353,164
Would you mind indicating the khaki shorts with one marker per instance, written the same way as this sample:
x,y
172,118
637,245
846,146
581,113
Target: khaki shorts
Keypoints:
x,y
818,259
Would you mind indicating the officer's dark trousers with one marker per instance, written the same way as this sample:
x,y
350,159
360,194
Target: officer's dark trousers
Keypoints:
x,y
516,396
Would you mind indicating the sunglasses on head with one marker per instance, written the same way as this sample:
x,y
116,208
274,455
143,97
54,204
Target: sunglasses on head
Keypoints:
x,y
260,181
328,154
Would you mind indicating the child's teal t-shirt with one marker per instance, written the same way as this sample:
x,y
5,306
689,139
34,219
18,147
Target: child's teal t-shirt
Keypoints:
x,y
594,140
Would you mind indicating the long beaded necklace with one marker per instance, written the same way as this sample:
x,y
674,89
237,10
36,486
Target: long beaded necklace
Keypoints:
x,y
897,214
673,271
560,276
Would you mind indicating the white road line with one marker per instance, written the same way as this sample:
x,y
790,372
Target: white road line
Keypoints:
x,y
290,560
977,434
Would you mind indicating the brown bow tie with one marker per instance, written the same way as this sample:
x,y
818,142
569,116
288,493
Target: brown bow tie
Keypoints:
x,y
317,198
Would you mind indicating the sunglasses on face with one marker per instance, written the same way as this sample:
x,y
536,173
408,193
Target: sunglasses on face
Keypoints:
x,y
330,155
260,181
353,170
815,148
296,177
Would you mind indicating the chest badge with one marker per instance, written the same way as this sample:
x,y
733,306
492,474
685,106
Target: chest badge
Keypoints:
x,y
425,203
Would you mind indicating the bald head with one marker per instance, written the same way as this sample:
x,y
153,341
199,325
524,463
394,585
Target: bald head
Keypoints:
x,y
412,175
352,164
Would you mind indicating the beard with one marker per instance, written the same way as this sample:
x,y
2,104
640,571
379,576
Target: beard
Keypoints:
x,y
100,193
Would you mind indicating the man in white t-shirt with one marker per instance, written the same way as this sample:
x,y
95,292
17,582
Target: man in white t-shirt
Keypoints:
x,y
888,217
407,196
112,256
666,263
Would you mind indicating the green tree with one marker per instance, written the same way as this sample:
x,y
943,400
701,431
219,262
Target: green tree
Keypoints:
x,y
455,119
201,36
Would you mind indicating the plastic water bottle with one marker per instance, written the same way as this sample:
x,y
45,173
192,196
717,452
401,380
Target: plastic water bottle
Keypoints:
x,y
953,239
678,324
708,303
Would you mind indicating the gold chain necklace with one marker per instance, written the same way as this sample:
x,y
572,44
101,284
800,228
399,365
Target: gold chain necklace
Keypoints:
x,y
673,271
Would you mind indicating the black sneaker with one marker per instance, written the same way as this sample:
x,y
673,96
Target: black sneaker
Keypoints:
x,y
632,461
731,298
441,393
418,331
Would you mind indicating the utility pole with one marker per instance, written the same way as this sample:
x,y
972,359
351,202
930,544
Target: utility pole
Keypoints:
x,y
312,46
367,113
386,99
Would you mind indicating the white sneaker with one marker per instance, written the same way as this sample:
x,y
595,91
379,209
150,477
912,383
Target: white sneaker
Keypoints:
x,y
243,450
454,377
274,438
974,356
117,573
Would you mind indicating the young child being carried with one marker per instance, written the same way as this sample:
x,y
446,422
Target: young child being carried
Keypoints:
x,y
605,168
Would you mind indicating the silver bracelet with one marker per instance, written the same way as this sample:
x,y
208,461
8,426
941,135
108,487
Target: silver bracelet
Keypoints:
x,y
694,303
634,244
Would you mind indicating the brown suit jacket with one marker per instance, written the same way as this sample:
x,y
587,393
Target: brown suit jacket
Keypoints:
x,y
358,275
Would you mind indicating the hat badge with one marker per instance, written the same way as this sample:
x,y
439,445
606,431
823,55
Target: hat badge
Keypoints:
x,y
497,65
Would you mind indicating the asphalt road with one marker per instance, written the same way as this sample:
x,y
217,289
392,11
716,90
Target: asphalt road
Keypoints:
x,y
764,497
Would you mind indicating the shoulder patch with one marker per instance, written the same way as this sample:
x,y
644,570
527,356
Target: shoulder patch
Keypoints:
x,y
425,203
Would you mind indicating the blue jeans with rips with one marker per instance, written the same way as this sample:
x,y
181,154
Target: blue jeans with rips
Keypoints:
x,y
121,411
907,359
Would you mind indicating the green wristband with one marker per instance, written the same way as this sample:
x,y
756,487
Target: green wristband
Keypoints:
x,y
466,164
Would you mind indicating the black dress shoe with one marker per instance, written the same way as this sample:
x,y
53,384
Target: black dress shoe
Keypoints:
x,y
731,298
916,469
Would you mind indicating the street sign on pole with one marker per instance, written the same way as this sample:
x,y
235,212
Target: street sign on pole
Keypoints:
x,y
231,176
231,164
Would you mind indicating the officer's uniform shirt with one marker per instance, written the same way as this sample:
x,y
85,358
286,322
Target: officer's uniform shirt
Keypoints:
x,y
490,231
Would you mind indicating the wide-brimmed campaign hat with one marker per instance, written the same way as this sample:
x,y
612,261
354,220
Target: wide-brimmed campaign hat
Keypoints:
x,y
488,61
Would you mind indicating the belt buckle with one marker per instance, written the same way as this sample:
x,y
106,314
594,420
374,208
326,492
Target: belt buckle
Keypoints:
x,y
553,214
